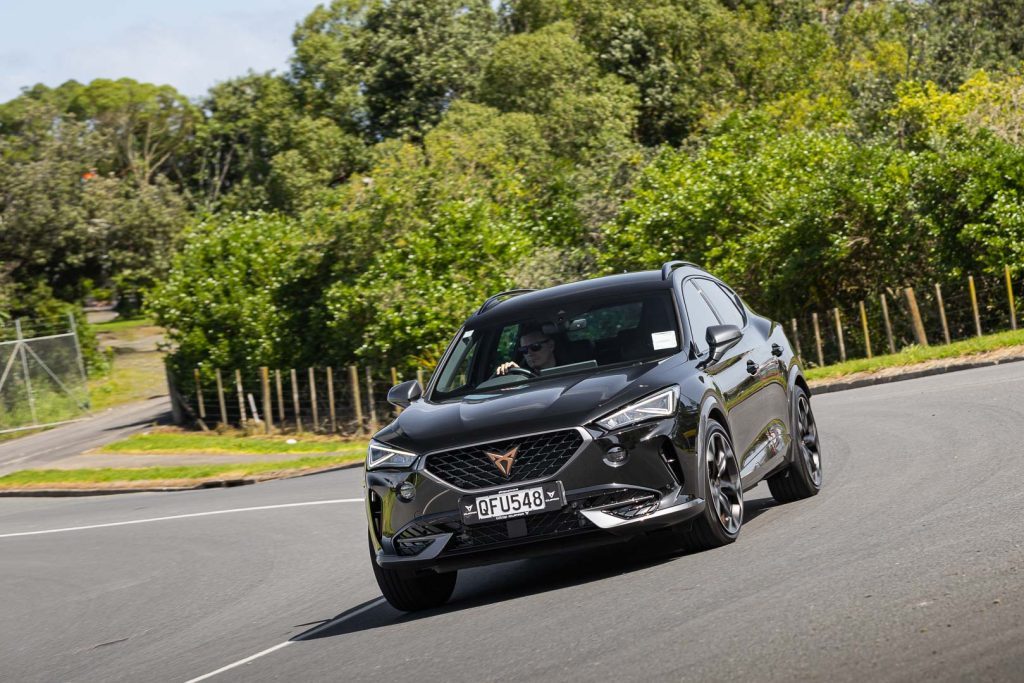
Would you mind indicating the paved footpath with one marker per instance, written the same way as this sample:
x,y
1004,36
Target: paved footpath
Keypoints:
x,y
48,447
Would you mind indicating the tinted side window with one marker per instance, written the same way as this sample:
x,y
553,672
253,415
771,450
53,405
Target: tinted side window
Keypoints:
x,y
722,302
699,314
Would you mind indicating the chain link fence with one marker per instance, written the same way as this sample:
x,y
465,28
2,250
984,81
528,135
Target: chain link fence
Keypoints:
x,y
42,374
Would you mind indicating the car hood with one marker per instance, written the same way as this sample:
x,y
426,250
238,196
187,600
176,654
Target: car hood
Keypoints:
x,y
512,410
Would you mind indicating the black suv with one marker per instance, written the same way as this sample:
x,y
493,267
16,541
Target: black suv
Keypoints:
x,y
582,414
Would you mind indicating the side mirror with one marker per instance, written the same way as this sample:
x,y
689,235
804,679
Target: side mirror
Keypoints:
x,y
720,338
403,394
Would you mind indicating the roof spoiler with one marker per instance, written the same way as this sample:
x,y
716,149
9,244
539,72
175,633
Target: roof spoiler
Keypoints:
x,y
666,270
501,296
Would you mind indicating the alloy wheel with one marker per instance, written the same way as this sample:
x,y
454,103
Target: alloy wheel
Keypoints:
x,y
725,490
808,434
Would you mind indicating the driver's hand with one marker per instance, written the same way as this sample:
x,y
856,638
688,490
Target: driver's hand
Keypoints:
x,y
504,368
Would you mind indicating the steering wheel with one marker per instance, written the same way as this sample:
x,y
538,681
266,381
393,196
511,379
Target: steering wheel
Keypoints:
x,y
519,371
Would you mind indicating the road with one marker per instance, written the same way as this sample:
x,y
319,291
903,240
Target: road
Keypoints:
x,y
907,566
71,439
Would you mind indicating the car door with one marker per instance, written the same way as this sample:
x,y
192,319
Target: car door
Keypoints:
x,y
771,397
730,374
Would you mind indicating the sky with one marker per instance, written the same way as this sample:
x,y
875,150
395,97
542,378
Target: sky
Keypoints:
x,y
189,44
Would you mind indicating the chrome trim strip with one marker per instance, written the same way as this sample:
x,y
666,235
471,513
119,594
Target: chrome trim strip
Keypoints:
x,y
603,520
421,465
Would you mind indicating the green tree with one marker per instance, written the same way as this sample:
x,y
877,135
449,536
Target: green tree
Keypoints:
x,y
148,125
222,302
391,68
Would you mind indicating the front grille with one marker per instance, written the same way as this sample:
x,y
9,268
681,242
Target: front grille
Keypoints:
x,y
538,457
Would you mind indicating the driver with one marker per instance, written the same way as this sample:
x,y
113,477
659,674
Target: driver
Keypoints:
x,y
537,348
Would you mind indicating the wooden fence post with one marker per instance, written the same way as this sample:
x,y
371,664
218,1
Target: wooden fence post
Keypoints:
x,y
915,316
199,395
817,340
357,399
942,313
419,376
280,397
796,336
241,397
268,400
1009,295
888,325
839,335
312,400
369,399
295,400
330,399
864,326
974,304
394,382
220,399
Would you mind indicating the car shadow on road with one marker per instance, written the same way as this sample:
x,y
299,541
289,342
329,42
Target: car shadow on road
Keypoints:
x,y
521,578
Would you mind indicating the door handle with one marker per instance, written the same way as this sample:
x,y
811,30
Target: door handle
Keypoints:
x,y
776,350
751,367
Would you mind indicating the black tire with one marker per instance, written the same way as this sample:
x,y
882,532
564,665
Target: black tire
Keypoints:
x,y
802,478
410,593
722,518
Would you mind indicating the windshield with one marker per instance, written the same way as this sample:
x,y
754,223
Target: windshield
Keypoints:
x,y
577,337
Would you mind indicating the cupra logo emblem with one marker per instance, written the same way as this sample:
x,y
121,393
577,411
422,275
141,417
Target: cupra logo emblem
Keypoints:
x,y
503,461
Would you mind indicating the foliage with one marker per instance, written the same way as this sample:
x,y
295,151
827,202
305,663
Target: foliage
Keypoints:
x,y
221,303
915,354
202,444
180,475
419,155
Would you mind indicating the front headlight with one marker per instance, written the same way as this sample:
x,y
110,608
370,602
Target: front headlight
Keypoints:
x,y
661,404
379,455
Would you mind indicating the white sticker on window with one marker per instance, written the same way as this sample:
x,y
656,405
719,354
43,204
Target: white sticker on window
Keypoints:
x,y
466,335
663,340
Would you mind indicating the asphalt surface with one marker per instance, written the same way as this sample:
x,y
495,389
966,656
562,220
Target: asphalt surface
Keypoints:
x,y
907,566
71,439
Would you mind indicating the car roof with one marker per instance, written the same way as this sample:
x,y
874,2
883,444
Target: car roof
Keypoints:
x,y
525,304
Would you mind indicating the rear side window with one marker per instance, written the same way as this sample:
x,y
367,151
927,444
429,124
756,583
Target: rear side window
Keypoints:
x,y
699,314
723,303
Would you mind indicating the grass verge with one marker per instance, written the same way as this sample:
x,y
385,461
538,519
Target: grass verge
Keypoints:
x,y
173,443
132,377
117,325
167,476
919,354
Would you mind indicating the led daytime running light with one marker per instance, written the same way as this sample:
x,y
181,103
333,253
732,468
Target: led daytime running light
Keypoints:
x,y
661,404
379,455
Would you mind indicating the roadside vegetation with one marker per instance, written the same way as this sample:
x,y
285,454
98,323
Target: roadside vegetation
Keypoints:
x,y
182,476
913,355
120,325
204,444
420,155
130,377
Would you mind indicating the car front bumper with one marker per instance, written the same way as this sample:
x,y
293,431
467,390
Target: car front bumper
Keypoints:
x,y
656,485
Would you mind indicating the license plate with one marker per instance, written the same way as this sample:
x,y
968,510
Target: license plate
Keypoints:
x,y
512,503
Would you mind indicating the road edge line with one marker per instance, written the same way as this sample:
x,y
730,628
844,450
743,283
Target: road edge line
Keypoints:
x,y
297,639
